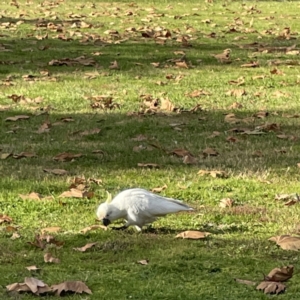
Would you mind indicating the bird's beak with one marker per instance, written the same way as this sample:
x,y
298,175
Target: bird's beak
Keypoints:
x,y
105,222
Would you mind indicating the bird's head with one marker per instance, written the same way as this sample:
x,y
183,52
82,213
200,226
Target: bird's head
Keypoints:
x,y
107,213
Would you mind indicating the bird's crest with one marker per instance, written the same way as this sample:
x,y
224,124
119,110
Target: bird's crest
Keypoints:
x,y
109,197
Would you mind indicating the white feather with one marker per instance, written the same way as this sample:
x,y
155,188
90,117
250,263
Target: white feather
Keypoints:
x,y
139,207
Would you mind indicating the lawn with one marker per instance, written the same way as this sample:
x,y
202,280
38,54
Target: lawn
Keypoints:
x,y
142,94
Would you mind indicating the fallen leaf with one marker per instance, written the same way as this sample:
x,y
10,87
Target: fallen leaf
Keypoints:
x,y
24,154
90,132
180,152
269,287
84,248
143,262
49,258
32,268
209,152
38,242
236,93
226,202
252,64
192,234
17,118
148,165
159,189
114,65
5,155
30,284
5,219
50,229
77,287
287,242
166,104
65,156
92,227
56,171
139,138
280,274
189,160
76,193
213,173
31,196
243,281
15,236
181,64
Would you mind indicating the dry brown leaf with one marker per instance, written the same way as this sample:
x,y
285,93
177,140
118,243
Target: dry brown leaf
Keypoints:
x,y
180,152
90,132
215,134
148,165
236,93
32,196
231,139
49,258
269,287
15,236
5,219
77,287
139,138
56,171
226,202
287,242
114,65
17,118
92,227
280,274
18,287
45,127
38,242
209,152
30,284
143,262
65,156
189,160
213,173
32,268
276,71
181,64
5,155
24,154
252,64
231,119
166,104
261,114
84,248
50,229
159,189
236,105
198,93
192,234
76,193
243,281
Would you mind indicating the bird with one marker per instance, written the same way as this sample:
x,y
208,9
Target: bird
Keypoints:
x,y
223,57
138,207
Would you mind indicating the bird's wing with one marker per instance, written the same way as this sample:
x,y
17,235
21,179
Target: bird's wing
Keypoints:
x,y
145,203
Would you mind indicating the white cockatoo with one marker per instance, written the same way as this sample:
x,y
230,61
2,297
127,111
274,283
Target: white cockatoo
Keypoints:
x,y
138,207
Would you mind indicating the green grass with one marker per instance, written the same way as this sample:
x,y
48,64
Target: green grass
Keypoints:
x,y
238,246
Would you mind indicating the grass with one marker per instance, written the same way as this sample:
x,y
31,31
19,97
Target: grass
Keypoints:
x,y
238,246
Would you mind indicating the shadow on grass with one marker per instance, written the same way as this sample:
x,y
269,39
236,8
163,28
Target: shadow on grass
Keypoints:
x,y
31,55
117,147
